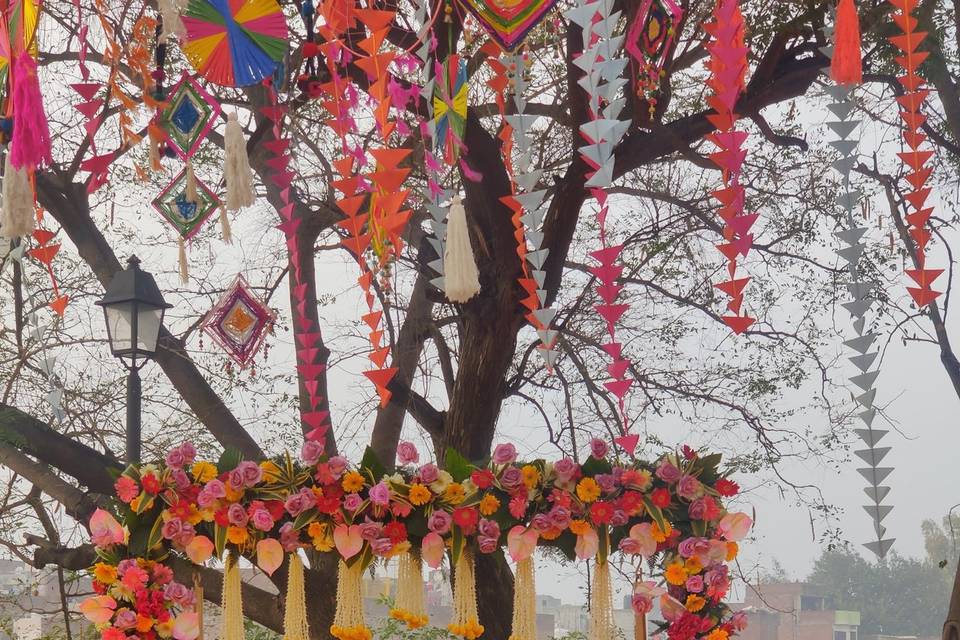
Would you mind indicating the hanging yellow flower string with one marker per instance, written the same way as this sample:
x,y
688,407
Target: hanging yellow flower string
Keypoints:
x,y
232,601
295,625
409,607
602,626
524,602
348,622
466,620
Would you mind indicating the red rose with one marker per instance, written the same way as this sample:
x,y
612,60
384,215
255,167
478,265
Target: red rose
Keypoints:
x,y
150,484
482,478
466,518
660,497
396,531
727,488
601,512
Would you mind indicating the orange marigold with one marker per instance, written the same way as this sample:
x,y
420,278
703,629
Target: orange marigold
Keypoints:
x,y
675,574
695,603
237,535
579,527
489,505
717,634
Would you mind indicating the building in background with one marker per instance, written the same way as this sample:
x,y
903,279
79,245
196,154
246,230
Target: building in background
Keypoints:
x,y
795,611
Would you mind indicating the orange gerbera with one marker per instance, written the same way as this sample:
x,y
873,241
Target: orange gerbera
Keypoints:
x,y
352,482
695,603
237,535
693,566
675,574
419,494
588,490
579,527
531,476
489,505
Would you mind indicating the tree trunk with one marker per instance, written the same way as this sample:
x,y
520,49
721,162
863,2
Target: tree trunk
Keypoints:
x,y
951,628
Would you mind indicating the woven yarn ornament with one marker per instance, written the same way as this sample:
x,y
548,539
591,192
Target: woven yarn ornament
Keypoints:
x,y
524,625
602,625
846,67
466,620
231,625
295,625
409,607
461,277
348,622
18,217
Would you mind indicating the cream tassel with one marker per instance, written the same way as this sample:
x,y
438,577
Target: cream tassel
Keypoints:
x,y
198,603
184,271
524,602
348,622
409,606
466,620
190,191
602,626
461,277
295,608
236,167
170,14
232,601
19,215
225,226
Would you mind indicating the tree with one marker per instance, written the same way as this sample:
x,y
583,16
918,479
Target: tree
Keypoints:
x,y
459,366
900,596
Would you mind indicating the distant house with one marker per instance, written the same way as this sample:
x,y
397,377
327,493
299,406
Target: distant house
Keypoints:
x,y
795,611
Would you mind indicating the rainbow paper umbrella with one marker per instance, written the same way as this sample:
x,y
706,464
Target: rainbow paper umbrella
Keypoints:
x,y
18,30
509,21
181,214
235,43
239,322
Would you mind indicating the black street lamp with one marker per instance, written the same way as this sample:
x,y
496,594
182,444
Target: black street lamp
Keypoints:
x,y
133,308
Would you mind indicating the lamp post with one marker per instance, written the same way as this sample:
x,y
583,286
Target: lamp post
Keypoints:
x,y
133,308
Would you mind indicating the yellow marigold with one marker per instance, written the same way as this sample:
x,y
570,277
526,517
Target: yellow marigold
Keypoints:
x,y
588,490
203,471
207,515
489,505
352,482
233,495
531,476
675,574
319,533
718,634
455,493
732,550
195,516
271,472
105,573
658,534
695,602
237,535
579,527
419,494
165,629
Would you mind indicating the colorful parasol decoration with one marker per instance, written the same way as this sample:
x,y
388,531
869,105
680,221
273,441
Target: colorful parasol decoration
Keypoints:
x,y
450,107
182,210
235,43
18,29
650,39
509,21
239,322
188,116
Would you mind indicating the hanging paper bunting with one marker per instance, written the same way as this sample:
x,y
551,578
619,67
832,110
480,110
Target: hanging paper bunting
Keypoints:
x,y
239,322
650,40
508,23
603,81
235,44
911,105
188,116
728,67
185,214
44,252
450,107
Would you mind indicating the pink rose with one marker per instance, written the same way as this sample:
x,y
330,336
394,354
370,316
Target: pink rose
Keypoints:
x,y
689,487
489,528
174,458
125,619
299,502
381,546
560,517
407,453
487,545
216,489
189,452
289,538
607,482
337,465
352,502
504,453
668,473
598,448
310,452
511,478
180,479
566,469
541,522
439,522
428,473
172,528
179,594
246,475
262,520
380,494
186,535
370,530
237,515
694,584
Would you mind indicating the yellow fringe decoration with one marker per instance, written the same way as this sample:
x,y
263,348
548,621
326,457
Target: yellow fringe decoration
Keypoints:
x,y
232,601
409,606
348,623
602,625
524,602
466,620
198,603
295,625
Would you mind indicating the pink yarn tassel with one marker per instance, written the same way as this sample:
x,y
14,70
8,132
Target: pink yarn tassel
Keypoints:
x,y
30,146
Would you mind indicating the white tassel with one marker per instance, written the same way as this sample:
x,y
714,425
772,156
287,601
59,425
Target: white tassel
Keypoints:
x,y
19,216
184,272
236,167
225,231
191,194
461,277
170,14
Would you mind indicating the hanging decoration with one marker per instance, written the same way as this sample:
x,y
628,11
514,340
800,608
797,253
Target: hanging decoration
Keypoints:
x,y
911,105
239,322
231,603
602,624
18,210
462,277
728,68
235,44
409,607
602,82
186,204
237,175
295,626
450,107
521,543
44,251
669,512
30,146
18,33
650,39
509,23
188,115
